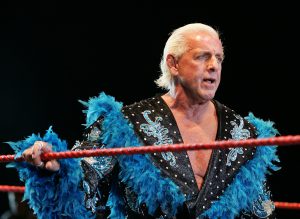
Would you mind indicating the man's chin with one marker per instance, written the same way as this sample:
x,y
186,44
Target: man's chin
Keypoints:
x,y
208,96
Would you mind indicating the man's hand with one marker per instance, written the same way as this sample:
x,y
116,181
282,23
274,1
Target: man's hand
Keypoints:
x,y
33,155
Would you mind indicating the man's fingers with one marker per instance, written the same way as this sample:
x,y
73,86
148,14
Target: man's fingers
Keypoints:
x,y
33,154
46,148
37,148
27,154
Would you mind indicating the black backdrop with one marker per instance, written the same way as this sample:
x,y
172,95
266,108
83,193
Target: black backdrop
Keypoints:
x,y
53,53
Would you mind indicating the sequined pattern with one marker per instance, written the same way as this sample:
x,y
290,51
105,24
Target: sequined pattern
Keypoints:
x,y
237,133
158,131
263,206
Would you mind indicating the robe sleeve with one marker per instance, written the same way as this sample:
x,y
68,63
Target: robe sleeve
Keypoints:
x,y
51,194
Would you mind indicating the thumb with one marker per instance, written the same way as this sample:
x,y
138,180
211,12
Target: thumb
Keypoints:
x,y
52,165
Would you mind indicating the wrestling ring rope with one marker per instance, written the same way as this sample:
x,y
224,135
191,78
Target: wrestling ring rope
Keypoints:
x,y
224,144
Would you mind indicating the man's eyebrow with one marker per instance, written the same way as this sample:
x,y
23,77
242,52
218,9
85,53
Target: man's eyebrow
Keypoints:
x,y
208,51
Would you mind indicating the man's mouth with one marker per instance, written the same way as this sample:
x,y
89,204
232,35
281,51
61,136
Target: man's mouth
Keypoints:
x,y
209,80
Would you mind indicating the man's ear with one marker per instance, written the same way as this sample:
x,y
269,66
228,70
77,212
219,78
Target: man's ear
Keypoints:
x,y
172,64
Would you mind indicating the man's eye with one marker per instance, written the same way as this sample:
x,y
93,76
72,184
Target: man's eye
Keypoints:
x,y
203,56
220,59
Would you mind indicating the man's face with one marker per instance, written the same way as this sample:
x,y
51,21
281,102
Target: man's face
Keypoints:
x,y
199,68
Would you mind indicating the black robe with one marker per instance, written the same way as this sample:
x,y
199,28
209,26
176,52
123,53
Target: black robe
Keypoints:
x,y
154,124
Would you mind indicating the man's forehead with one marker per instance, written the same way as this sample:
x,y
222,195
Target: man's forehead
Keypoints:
x,y
205,40
214,48
203,34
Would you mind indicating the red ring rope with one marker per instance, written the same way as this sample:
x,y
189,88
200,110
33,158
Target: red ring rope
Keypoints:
x,y
287,205
7,188
224,144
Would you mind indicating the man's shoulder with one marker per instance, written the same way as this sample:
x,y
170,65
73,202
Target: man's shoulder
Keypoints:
x,y
226,108
261,127
234,118
149,101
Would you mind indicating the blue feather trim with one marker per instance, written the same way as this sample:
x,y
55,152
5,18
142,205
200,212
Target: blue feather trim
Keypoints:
x,y
245,188
137,171
98,106
51,194
115,203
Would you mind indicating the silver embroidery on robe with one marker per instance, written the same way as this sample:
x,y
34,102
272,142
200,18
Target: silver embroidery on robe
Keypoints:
x,y
238,133
94,134
158,131
263,206
90,202
102,165
76,146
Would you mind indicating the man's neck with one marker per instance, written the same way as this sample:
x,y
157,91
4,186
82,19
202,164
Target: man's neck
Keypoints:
x,y
189,108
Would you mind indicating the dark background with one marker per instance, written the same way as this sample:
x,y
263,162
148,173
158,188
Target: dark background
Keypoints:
x,y
53,53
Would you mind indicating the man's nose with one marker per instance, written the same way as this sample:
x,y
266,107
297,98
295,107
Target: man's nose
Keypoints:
x,y
213,63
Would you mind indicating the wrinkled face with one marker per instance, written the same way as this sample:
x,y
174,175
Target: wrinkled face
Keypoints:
x,y
199,68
